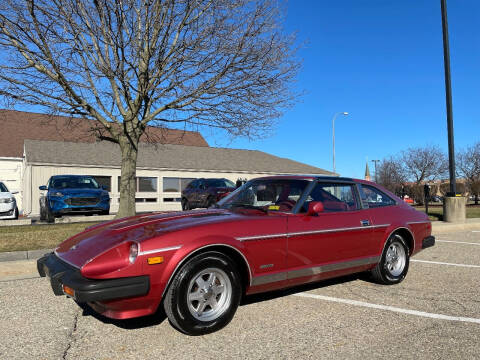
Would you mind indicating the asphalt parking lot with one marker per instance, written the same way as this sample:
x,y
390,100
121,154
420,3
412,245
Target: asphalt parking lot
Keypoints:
x,y
433,314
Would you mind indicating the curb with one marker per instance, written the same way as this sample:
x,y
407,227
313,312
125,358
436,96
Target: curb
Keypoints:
x,y
23,255
442,227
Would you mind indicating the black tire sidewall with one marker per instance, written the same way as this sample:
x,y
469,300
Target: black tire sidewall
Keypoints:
x,y
183,318
388,277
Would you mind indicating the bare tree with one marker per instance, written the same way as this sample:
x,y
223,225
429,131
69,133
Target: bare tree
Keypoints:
x,y
468,167
225,64
424,164
391,174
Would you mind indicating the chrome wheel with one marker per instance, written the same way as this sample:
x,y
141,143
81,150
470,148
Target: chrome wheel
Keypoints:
x,y
395,258
209,294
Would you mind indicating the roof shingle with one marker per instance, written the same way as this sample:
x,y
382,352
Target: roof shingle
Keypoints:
x,y
165,156
16,126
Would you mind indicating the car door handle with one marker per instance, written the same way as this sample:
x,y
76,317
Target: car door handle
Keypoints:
x,y
365,222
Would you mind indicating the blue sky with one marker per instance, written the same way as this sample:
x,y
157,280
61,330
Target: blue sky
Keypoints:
x,y
381,61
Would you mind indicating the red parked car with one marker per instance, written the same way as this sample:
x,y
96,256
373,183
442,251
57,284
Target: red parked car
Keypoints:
x,y
271,233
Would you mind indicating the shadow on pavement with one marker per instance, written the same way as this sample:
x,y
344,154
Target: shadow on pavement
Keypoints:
x,y
128,324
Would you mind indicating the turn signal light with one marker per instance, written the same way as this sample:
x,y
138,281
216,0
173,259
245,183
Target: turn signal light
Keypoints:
x,y
68,291
155,260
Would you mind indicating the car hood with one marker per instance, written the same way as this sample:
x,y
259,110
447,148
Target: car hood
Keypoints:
x,y
80,192
84,247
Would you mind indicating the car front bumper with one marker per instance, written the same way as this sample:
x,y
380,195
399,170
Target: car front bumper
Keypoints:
x,y
429,241
7,210
64,275
61,206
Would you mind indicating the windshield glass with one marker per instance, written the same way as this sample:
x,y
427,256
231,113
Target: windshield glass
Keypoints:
x,y
74,182
3,188
266,194
220,183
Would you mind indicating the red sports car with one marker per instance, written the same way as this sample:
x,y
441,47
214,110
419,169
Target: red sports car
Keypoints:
x,y
271,233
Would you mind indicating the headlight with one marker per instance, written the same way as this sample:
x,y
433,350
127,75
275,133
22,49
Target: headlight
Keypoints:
x,y
133,253
7,200
58,194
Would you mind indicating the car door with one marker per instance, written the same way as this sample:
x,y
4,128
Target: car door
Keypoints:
x,y
334,241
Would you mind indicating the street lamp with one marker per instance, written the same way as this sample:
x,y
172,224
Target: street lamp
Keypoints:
x,y
333,134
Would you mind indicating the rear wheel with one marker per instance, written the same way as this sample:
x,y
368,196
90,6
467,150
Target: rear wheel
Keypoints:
x,y
393,265
204,295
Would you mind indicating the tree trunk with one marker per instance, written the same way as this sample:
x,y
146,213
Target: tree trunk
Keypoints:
x,y
128,184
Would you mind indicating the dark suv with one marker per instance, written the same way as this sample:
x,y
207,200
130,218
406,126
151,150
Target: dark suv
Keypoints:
x,y
205,192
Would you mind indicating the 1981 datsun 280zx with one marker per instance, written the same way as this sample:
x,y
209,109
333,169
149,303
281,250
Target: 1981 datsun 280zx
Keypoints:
x,y
271,233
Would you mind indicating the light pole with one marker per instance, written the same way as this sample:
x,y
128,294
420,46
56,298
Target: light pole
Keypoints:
x,y
333,134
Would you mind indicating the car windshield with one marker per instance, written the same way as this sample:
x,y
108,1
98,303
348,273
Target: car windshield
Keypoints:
x,y
220,183
74,182
266,194
3,188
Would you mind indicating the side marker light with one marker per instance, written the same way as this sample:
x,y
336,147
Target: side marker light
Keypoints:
x,y
155,260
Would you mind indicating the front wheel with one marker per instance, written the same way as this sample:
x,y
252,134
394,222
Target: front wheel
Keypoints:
x,y
185,204
393,265
204,295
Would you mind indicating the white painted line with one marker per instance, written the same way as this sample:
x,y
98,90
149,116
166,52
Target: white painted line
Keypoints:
x,y
444,263
390,308
475,230
458,242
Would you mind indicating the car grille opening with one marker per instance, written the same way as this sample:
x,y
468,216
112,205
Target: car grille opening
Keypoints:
x,y
81,201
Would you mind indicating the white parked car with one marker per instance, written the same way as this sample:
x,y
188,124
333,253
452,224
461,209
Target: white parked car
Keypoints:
x,y
8,204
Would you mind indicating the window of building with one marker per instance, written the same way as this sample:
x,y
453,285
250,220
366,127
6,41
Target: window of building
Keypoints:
x,y
171,199
145,200
143,184
175,184
105,181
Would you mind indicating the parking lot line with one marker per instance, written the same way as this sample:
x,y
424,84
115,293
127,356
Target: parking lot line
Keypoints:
x,y
444,263
390,308
458,242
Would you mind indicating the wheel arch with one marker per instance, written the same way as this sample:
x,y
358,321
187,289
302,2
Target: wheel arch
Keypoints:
x,y
406,234
235,254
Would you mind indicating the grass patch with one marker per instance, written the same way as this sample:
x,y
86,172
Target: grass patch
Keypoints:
x,y
436,212
34,237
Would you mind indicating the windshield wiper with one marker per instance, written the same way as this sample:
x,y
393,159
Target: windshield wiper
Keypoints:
x,y
248,206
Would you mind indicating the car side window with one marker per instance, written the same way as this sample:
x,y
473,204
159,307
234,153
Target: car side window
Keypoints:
x,y
335,197
372,197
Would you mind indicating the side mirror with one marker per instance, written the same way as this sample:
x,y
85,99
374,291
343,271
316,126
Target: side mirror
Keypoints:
x,y
314,208
104,187
43,187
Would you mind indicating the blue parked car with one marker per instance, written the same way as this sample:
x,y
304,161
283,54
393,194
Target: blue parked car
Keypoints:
x,y
68,194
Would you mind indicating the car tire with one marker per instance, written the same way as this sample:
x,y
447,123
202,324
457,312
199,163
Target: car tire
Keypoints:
x,y
393,265
106,212
185,205
15,212
204,294
49,216
42,213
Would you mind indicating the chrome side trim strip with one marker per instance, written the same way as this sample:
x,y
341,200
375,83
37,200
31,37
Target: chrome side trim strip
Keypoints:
x,y
316,270
270,236
418,222
159,250
260,237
